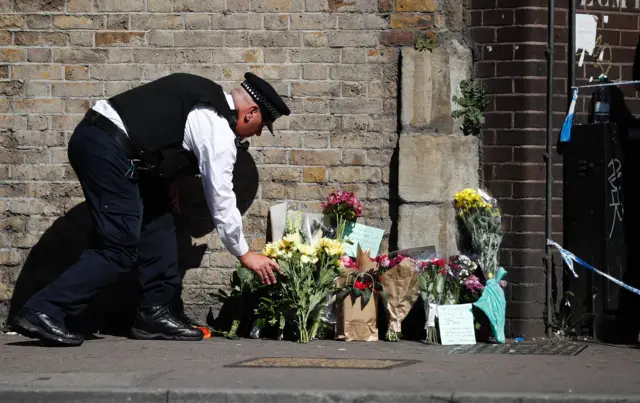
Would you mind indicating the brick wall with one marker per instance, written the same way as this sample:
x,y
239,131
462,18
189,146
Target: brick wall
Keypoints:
x,y
334,60
510,59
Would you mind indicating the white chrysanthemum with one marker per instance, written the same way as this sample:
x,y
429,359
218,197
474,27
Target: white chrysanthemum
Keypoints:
x,y
307,250
293,238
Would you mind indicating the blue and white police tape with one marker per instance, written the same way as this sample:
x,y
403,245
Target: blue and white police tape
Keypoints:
x,y
565,134
569,258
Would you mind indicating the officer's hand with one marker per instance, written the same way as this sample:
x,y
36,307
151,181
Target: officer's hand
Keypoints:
x,y
261,265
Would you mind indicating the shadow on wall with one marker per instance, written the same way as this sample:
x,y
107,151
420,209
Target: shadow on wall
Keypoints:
x,y
114,310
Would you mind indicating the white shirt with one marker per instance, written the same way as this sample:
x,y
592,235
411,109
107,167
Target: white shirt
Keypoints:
x,y
210,138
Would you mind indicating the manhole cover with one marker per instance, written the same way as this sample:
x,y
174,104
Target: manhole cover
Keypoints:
x,y
558,348
342,363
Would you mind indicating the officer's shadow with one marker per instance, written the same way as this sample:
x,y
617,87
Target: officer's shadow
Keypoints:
x,y
113,311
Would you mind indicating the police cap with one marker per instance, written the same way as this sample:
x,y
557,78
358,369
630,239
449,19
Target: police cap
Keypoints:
x,y
265,96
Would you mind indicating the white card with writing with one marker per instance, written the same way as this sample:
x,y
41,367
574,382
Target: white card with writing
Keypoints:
x,y
456,324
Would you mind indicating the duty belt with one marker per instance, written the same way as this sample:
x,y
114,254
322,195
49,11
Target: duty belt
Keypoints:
x,y
108,126
104,123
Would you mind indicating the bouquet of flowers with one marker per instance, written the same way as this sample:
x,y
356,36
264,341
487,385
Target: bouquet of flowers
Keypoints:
x,y
480,216
309,274
245,293
400,281
443,282
385,262
357,299
342,207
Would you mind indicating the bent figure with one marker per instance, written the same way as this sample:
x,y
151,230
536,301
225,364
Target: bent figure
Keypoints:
x,y
126,151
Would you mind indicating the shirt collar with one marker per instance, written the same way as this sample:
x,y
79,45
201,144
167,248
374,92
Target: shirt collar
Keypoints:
x,y
232,105
243,145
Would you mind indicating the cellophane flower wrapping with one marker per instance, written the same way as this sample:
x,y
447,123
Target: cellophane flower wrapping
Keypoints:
x,y
307,222
493,304
480,214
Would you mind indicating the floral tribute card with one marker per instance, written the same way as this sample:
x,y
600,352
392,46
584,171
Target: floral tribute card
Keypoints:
x,y
456,324
364,236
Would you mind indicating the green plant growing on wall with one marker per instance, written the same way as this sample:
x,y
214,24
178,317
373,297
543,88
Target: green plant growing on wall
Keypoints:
x,y
473,102
425,42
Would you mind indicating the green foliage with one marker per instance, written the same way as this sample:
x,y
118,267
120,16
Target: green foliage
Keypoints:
x,y
425,42
303,293
243,298
474,103
271,313
243,283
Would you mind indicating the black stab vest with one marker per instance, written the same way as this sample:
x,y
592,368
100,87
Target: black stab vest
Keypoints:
x,y
155,115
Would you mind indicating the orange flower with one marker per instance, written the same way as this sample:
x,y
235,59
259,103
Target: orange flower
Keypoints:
x,y
207,332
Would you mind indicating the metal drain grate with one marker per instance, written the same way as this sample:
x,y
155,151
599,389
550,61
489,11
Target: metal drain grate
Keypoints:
x,y
341,363
553,348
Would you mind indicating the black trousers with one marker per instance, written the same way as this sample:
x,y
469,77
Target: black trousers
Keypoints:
x,y
134,224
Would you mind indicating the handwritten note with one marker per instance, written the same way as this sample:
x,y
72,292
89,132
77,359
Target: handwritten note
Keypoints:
x,y
365,236
586,30
456,324
421,252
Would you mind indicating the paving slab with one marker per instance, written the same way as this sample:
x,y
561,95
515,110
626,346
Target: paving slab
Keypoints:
x,y
118,369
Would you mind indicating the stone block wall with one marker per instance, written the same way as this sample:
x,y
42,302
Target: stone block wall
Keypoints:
x,y
335,61
435,159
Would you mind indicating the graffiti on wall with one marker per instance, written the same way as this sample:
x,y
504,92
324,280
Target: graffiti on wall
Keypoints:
x,y
615,188
601,58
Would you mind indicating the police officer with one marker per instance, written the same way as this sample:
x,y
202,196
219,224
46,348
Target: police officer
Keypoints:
x,y
125,152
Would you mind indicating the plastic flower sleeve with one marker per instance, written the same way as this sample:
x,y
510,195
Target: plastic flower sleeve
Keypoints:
x,y
493,304
480,216
309,224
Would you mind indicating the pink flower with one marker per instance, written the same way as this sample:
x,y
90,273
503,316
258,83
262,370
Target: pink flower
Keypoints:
x,y
473,284
347,262
343,203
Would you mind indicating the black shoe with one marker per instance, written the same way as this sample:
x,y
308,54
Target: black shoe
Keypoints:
x,y
41,326
184,318
158,323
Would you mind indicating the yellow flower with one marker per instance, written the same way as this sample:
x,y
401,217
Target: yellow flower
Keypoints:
x,y
469,199
307,250
336,250
270,250
490,275
331,247
293,238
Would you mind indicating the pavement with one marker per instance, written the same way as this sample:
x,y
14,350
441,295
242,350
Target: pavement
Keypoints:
x,y
111,369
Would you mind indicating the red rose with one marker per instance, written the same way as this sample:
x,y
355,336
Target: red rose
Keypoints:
x,y
362,286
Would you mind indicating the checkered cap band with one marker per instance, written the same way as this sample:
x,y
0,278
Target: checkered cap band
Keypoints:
x,y
263,101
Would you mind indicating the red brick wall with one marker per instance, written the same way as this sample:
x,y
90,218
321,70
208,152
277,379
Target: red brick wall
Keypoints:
x,y
511,37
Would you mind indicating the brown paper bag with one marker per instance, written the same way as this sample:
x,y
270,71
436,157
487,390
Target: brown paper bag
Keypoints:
x,y
357,322
401,285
